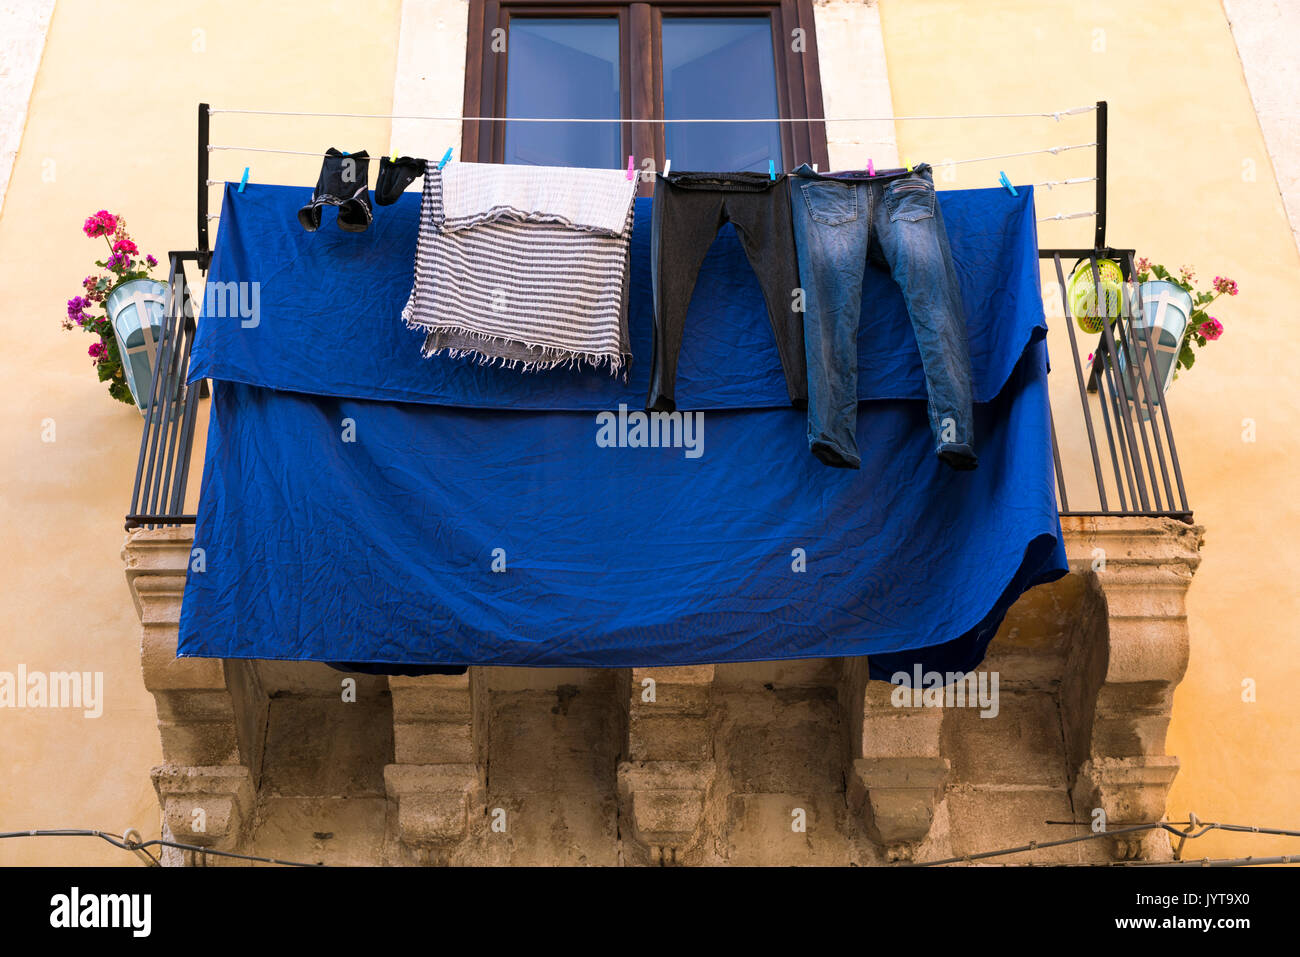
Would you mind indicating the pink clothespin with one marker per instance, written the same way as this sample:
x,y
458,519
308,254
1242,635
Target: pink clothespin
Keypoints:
x,y
629,169
871,169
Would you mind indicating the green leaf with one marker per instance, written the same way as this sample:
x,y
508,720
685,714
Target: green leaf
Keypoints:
x,y
120,391
1186,357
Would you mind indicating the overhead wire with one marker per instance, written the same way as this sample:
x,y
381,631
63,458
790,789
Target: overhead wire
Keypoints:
x,y
1053,114
122,841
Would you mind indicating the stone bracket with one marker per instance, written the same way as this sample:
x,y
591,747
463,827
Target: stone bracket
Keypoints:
x,y
436,782
1130,791
1128,652
668,770
432,804
206,806
896,799
895,773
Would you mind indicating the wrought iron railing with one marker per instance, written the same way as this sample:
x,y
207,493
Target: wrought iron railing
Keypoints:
x,y
1135,469
167,443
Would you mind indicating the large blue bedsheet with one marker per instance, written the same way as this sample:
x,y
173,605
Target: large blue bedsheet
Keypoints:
x,y
382,549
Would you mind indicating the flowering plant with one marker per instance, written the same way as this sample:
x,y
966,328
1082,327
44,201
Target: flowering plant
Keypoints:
x,y
1201,326
88,311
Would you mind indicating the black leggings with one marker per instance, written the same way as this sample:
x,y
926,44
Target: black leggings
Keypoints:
x,y
689,209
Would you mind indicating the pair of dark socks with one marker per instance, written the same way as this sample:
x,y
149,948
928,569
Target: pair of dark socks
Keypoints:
x,y
345,182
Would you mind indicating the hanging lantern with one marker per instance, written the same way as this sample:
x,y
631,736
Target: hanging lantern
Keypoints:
x,y
1166,311
135,310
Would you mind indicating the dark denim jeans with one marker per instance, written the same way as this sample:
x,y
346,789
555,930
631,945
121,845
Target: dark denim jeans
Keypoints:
x,y
688,211
840,221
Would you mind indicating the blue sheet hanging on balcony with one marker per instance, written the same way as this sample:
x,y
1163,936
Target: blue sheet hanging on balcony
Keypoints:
x,y
337,524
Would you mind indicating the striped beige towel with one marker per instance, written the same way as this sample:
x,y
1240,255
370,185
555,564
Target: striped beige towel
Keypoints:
x,y
527,293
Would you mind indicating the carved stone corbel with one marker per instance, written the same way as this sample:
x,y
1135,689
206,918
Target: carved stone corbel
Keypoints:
x,y
668,766
1128,652
436,782
211,713
895,772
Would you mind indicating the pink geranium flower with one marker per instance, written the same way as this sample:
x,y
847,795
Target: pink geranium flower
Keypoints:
x,y
1211,328
1223,284
102,223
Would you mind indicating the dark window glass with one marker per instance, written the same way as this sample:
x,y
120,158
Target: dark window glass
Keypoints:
x,y
720,67
563,68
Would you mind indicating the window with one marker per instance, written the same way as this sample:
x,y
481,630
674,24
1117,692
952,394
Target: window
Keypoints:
x,y
591,59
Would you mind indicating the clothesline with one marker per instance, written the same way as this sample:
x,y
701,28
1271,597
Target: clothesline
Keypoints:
x,y
1083,215
1055,114
978,159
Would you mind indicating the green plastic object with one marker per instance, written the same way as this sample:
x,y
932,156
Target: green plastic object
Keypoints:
x,y
1084,305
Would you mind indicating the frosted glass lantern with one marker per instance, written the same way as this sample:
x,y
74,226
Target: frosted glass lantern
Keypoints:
x,y
135,310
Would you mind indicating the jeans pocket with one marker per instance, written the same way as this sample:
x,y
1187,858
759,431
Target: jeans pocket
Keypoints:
x,y
830,204
909,201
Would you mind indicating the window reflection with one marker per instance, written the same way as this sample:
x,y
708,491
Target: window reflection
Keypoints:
x,y
720,67
563,68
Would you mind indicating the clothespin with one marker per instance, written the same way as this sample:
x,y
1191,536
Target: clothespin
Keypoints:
x,y
393,158
445,157
668,164
907,162
1002,178
244,181
771,169
630,169
814,167
871,167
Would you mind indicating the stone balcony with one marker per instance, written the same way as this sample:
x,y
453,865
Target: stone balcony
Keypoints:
x,y
796,762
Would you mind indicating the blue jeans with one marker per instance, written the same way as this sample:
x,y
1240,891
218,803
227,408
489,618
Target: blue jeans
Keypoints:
x,y
841,220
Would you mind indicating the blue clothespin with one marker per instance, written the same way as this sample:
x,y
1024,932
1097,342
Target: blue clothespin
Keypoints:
x,y
871,168
445,157
1002,178
630,168
244,181
771,169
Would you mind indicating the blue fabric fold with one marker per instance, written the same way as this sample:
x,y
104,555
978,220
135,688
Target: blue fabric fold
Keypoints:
x,y
329,303
362,504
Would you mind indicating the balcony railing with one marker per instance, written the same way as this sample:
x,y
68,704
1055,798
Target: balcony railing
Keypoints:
x,y
167,443
1135,468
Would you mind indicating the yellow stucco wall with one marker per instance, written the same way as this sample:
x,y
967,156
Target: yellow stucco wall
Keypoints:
x,y
1181,126
114,108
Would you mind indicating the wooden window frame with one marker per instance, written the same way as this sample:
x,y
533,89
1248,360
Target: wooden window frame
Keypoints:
x,y
798,77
